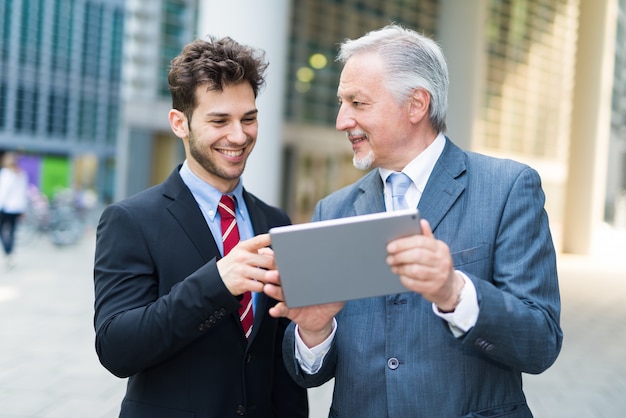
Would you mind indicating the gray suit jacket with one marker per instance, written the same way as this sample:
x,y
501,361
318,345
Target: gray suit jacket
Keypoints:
x,y
393,357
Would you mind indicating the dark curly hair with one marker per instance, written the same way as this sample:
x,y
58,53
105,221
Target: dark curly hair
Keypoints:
x,y
214,63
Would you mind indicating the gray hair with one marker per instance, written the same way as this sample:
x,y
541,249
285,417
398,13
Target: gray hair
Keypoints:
x,y
412,61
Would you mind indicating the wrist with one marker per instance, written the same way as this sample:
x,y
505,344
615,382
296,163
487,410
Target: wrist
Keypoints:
x,y
312,338
457,295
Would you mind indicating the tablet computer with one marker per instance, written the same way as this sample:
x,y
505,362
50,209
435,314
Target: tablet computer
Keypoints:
x,y
340,259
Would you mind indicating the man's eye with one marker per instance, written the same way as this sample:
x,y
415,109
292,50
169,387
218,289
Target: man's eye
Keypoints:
x,y
249,120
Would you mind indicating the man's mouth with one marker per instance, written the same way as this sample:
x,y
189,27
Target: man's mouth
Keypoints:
x,y
356,137
231,153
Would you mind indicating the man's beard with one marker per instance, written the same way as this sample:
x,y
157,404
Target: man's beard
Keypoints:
x,y
209,164
364,163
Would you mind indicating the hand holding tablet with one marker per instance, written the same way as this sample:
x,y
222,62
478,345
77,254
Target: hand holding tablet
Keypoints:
x,y
340,259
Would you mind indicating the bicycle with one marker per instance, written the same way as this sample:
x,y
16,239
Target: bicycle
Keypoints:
x,y
64,219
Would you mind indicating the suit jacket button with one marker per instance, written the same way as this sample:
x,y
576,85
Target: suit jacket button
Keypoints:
x,y
241,410
393,363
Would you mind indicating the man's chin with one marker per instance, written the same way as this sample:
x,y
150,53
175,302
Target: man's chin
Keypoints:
x,y
363,163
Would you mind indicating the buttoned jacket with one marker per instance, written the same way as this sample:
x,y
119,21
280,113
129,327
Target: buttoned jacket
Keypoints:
x,y
393,357
165,319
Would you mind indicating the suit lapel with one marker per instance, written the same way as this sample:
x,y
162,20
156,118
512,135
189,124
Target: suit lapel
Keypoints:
x,y
259,226
185,209
372,198
257,218
444,185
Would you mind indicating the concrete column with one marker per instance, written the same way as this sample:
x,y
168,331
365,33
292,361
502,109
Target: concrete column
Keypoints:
x,y
461,34
257,24
591,122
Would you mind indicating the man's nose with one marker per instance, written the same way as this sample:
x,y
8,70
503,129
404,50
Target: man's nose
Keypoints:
x,y
345,120
237,134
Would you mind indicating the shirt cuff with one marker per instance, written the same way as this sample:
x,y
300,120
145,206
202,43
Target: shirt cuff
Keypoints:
x,y
465,315
311,359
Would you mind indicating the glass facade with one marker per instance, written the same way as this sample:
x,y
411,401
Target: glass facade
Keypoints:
x,y
530,73
317,26
618,116
155,32
60,78
69,68
177,17
615,210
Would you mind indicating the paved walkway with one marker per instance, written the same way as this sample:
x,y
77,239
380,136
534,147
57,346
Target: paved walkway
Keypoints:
x,y
48,367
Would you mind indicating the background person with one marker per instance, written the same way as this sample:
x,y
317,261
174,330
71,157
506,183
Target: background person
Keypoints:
x,y
166,298
482,302
13,202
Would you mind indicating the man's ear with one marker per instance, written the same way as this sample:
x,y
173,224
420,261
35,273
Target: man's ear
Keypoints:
x,y
178,123
419,105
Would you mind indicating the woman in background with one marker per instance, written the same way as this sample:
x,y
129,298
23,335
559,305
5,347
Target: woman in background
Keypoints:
x,y
13,202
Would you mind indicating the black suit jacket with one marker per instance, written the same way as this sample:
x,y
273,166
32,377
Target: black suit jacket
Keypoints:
x,y
164,318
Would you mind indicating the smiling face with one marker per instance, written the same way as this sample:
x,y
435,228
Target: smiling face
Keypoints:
x,y
378,126
221,135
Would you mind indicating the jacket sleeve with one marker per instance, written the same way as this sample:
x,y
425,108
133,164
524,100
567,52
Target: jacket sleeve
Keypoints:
x,y
135,326
326,372
518,323
288,397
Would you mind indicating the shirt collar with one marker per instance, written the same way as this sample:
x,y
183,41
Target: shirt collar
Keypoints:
x,y
208,196
420,168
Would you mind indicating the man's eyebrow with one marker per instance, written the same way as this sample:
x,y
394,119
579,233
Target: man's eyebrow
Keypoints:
x,y
223,115
348,96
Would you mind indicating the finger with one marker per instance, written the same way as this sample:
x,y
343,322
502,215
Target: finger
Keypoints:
x,y
268,255
250,279
411,241
256,258
272,276
255,273
426,230
279,310
254,286
256,243
263,261
274,291
266,251
402,244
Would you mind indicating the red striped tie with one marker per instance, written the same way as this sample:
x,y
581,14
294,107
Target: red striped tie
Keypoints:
x,y
230,238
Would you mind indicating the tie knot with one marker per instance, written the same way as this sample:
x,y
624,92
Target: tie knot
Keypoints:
x,y
400,183
226,207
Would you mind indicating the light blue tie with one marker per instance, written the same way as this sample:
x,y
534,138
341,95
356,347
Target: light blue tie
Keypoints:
x,y
400,183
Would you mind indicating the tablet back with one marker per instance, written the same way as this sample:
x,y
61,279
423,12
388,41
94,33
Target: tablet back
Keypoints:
x,y
340,259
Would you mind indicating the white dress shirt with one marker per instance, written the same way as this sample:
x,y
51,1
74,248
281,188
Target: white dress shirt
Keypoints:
x,y
466,313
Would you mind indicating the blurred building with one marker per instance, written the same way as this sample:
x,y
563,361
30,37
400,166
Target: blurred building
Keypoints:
x,y
60,63
540,81
530,80
616,180
155,32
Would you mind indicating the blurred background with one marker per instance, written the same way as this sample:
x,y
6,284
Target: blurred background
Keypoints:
x,y
84,98
84,102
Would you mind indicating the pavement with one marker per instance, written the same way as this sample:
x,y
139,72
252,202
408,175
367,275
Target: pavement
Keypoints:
x,y
49,369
